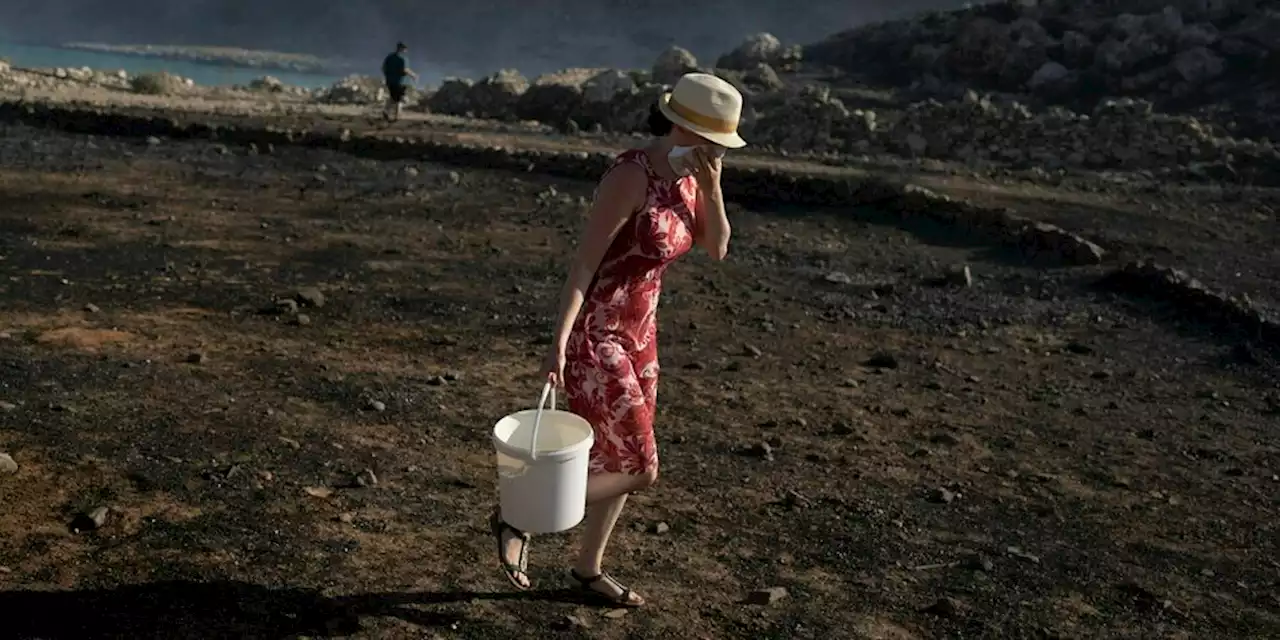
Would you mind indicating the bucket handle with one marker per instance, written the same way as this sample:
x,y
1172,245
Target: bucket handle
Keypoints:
x,y
548,390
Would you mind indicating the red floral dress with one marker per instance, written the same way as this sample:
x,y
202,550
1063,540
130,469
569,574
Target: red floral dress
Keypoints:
x,y
611,358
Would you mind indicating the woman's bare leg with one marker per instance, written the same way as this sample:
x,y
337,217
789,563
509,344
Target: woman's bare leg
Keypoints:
x,y
606,496
600,520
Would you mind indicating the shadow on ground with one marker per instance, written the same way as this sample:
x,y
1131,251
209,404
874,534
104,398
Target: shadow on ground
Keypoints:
x,y
183,609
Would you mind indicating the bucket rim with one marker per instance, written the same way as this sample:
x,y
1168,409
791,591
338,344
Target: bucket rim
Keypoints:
x,y
561,454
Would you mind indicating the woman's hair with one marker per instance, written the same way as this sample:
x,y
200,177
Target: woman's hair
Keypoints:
x,y
659,125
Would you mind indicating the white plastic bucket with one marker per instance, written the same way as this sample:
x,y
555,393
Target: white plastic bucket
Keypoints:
x,y
542,467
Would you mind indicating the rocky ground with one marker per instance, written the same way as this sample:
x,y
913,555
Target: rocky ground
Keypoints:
x,y
255,384
260,398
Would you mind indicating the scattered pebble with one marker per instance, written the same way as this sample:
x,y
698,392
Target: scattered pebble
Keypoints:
x,y
366,478
660,528
319,492
944,608
377,405
7,464
1079,348
92,308
943,495
310,297
882,361
960,276
761,450
90,521
285,307
771,595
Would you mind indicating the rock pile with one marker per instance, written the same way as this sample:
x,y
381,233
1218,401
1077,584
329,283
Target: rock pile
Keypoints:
x,y
976,128
12,79
1118,134
761,49
1169,52
353,89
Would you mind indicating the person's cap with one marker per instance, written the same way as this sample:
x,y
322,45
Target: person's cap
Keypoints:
x,y
401,45
706,105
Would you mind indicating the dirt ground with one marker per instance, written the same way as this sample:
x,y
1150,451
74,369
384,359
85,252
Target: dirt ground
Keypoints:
x,y
1133,214
1029,456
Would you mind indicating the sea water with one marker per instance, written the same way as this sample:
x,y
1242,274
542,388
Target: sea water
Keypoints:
x,y
206,74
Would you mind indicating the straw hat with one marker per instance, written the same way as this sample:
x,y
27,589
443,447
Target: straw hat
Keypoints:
x,y
707,106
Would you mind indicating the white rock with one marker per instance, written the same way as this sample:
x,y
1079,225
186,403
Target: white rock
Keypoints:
x,y
1049,73
607,84
1199,65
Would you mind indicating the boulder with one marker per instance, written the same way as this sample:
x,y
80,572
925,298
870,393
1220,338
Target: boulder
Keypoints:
x,y
496,96
554,99
604,86
452,98
354,89
156,84
270,84
759,48
673,63
1199,65
762,78
1049,74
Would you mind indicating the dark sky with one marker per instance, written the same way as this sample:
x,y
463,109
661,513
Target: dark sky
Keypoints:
x,y
532,35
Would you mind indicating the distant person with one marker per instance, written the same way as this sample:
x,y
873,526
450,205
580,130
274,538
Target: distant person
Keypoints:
x,y
652,206
396,71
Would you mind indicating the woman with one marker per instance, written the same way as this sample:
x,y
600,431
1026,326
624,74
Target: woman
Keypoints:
x,y
652,206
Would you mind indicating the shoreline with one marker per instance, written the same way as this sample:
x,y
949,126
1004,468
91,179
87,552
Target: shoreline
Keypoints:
x,y
216,55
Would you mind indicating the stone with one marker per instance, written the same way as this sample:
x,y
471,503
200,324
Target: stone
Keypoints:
x,y
960,276
944,608
367,478
767,596
605,86
90,521
762,77
270,84
354,89
881,361
310,297
672,63
496,95
451,98
7,465
1199,65
758,48
1050,73
942,495
553,100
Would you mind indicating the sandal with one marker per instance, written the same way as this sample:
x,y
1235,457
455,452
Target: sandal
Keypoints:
x,y
627,599
513,570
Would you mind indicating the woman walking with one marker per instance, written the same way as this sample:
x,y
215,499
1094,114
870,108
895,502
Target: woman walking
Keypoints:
x,y
652,206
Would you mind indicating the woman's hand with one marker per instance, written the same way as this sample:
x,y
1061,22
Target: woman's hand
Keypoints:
x,y
553,366
706,167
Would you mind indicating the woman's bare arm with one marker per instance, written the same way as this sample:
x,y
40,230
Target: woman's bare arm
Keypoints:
x,y
711,223
620,195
